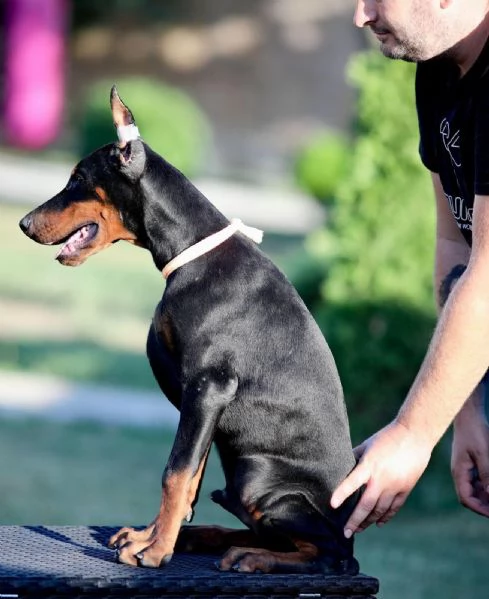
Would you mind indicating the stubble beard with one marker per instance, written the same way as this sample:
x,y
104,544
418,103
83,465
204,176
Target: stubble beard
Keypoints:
x,y
413,48
401,52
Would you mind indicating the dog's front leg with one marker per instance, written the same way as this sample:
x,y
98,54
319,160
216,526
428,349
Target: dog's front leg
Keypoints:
x,y
203,403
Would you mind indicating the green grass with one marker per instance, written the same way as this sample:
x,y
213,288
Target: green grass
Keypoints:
x,y
86,474
428,557
80,360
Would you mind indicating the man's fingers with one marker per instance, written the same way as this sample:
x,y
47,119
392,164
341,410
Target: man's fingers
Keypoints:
x,y
391,463
379,512
394,508
358,476
482,463
463,484
476,505
365,511
471,489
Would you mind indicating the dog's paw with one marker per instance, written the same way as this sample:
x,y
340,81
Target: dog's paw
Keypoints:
x,y
139,553
140,547
128,534
247,560
153,558
259,560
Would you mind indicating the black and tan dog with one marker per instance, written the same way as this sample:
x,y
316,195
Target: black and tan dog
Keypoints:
x,y
235,350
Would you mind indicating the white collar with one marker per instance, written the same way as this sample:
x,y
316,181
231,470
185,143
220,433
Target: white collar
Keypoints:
x,y
209,243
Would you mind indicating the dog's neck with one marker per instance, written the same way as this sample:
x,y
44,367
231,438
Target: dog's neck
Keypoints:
x,y
209,243
176,214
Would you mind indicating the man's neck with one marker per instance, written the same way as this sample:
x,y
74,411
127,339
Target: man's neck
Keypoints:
x,y
467,51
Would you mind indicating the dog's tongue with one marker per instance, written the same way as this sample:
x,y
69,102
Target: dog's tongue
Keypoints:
x,y
74,241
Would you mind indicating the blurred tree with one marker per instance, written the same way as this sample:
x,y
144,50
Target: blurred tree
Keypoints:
x,y
371,289
322,165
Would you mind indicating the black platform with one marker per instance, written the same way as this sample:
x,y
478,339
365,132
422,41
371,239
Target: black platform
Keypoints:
x,y
74,561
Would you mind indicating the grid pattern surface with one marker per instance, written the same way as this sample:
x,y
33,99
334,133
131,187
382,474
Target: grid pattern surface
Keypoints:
x,y
75,561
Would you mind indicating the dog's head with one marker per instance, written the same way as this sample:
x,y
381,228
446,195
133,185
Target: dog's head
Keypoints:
x,y
95,208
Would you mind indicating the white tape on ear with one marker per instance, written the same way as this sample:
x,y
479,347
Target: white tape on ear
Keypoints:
x,y
127,133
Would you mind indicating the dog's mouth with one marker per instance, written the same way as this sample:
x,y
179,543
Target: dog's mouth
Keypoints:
x,y
76,241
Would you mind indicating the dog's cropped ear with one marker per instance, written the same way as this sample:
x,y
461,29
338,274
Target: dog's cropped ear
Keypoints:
x,y
130,150
123,119
131,159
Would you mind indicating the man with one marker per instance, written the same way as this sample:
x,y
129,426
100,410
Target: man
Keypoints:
x,y
449,41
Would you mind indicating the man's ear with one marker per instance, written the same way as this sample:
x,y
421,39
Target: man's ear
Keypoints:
x,y
131,159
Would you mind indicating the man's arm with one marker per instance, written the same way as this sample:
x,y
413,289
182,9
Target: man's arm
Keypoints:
x,y
470,447
458,355
393,460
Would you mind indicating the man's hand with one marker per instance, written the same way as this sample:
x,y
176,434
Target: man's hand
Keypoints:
x,y
470,456
391,462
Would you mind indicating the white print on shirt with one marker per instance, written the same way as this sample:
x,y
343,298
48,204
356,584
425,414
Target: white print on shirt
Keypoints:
x,y
451,142
462,214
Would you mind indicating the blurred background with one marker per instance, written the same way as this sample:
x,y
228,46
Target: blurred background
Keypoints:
x,y
283,114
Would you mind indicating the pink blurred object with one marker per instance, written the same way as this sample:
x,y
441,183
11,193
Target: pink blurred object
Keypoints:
x,y
35,43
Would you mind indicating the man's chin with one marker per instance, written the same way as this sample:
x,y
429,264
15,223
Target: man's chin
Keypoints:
x,y
397,52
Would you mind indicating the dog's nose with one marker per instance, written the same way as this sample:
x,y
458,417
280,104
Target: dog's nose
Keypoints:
x,y
25,223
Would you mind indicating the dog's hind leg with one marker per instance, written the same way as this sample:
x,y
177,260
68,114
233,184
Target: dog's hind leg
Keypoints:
x,y
254,559
295,538
306,559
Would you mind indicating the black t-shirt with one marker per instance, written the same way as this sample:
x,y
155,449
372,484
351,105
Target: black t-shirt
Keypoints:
x,y
453,116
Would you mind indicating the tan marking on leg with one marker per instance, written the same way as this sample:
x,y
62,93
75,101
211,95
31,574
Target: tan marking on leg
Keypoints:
x,y
178,494
195,482
173,509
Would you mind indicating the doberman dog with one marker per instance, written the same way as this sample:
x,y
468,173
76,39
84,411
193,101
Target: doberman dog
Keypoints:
x,y
234,348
